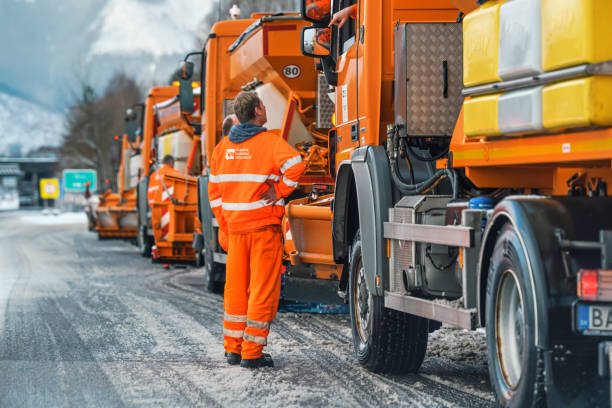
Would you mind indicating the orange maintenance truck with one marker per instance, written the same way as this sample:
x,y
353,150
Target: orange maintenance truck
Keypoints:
x,y
149,148
173,212
214,104
472,151
266,58
116,214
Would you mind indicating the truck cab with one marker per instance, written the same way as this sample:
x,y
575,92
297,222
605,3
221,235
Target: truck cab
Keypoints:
x,y
469,190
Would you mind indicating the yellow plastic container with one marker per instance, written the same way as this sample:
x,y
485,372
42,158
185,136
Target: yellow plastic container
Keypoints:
x,y
481,45
480,116
578,103
575,32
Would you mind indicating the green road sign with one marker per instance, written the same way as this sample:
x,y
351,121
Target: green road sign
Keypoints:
x,y
75,180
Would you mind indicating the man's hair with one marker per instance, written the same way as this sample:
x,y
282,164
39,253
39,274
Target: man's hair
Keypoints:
x,y
244,106
168,159
228,123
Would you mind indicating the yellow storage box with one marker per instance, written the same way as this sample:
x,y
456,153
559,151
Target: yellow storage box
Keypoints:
x,y
575,32
578,103
481,45
480,116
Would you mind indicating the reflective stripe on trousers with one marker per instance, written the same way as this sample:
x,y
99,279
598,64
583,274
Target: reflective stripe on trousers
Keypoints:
x,y
252,287
233,333
256,339
234,318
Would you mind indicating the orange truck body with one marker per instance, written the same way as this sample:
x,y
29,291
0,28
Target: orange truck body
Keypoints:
x,y
266,58
174,233
174,215
547,184
116,213
271,53
149,153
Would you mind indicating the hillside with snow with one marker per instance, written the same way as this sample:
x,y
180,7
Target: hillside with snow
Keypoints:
x,y
25,126
51,47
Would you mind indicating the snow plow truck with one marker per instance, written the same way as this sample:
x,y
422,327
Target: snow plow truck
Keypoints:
x,y
263,55
472,156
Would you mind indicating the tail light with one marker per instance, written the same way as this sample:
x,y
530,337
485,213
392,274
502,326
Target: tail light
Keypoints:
x,y
595,284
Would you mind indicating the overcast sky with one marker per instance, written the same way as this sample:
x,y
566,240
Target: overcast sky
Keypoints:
x,y
46,45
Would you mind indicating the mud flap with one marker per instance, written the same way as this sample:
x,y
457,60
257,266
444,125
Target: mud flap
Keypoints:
x,y
372,180
304,295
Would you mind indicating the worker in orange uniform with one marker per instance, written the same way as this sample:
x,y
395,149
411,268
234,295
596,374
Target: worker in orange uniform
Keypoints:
x,y
250,173
155,182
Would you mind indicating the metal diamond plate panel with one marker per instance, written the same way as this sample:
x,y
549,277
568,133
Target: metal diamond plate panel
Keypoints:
x,y
402,252
325,106
434,65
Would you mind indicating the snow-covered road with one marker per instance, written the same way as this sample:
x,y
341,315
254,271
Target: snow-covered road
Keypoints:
x,y
90,323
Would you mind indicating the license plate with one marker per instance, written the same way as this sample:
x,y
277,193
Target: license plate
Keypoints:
x,y
593,319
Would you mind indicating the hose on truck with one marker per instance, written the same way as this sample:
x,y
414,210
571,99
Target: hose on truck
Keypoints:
x,y
397,144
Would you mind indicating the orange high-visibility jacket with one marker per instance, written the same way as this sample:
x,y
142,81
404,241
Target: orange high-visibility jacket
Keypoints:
x,y
239,173
155,181
318,8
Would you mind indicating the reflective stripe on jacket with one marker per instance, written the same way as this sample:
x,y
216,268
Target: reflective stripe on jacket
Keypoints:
x,y
241,172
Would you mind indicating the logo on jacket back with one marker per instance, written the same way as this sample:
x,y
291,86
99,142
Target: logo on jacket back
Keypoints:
x,y
238,154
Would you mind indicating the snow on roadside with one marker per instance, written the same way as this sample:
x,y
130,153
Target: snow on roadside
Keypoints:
x,y
460,345
51,219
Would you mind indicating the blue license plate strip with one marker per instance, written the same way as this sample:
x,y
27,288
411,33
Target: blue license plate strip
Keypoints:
x,y
590,322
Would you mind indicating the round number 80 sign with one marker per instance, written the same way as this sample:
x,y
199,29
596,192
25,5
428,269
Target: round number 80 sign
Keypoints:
x,y
292,71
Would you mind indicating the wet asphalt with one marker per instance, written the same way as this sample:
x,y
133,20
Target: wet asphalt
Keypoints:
x,y
88,323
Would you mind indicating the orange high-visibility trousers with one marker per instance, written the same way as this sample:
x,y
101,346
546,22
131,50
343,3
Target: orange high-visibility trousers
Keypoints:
x,y
252,289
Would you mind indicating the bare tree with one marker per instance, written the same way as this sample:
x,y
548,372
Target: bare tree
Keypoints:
x,y
95,125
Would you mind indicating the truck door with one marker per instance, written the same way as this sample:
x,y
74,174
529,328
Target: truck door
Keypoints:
x,y
347,122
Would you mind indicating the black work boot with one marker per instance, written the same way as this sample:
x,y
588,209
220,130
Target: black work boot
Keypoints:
x,y
233,358
264,361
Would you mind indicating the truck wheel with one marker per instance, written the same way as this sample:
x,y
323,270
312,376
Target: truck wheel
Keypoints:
x,y
213,274
199,259
144,242
510,322
385,340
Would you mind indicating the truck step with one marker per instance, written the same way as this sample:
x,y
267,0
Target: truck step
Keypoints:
x,y
464,318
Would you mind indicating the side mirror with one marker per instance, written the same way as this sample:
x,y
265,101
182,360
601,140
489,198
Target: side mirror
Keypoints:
x,y
316,42
186,96
185,88
131,124
130,114
186,70
316,11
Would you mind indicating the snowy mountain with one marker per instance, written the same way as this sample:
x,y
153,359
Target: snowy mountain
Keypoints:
x,y
50,47
25,126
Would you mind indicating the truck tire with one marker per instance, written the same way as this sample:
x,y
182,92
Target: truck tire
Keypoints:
x,y
213,273
144,242
385,340
513,359
199,259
